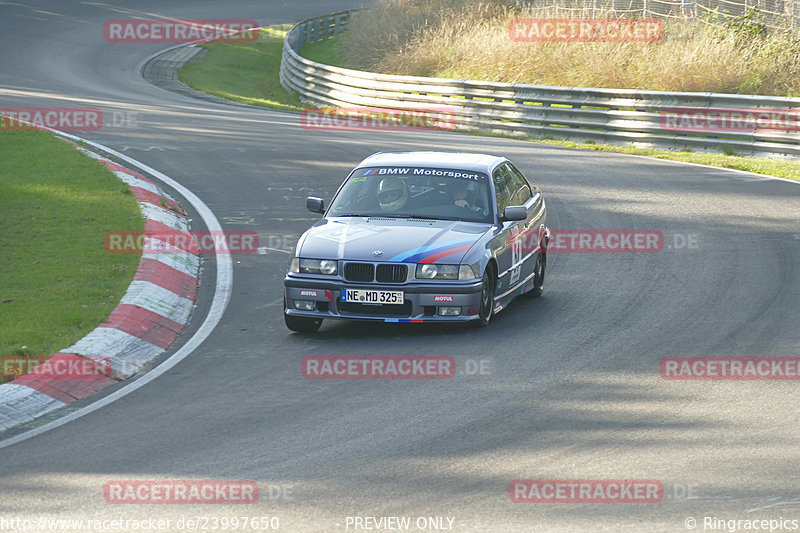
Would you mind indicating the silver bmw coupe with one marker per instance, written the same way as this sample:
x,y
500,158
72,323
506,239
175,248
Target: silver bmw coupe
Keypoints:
x,y
420,237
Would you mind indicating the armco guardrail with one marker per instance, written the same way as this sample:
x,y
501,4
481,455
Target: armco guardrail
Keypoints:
x,y
656,119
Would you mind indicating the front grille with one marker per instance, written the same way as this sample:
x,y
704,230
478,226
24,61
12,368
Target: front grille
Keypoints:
x,y
392,273
359,272
382,310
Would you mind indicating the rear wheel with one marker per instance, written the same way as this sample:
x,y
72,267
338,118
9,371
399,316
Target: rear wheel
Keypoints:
x,y
302,324
486,306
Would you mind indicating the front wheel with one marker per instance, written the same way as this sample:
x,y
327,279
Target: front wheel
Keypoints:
x,y
302,324
486,306
538,275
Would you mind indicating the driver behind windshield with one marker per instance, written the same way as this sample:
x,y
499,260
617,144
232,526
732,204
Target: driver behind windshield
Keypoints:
x,y
392,194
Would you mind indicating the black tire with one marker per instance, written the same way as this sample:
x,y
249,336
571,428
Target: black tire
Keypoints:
x,y
302,324
538,276
486,305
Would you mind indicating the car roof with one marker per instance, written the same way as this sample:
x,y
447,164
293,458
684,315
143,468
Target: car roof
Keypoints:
x,y
462,161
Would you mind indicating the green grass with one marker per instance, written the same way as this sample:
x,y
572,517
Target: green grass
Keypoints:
x,y
238,59
57,282
327,52
244,72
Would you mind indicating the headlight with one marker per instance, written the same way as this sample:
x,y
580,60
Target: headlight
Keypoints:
x,y
317,266
431,271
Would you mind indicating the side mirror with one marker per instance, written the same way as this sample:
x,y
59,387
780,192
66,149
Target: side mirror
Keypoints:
x,y
315,205
515,212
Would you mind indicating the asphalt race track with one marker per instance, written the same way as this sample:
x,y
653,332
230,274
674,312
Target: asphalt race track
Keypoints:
x,y
571,386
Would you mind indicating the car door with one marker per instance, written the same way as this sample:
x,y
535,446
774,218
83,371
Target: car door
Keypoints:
x,y
529,231
507,249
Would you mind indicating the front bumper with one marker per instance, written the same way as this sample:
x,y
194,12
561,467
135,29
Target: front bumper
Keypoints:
x,y
422,300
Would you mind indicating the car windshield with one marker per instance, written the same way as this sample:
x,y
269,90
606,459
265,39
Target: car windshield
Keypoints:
x,y
407,192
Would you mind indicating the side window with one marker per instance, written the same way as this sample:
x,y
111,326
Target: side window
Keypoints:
x,y
502,188
521,191
355,193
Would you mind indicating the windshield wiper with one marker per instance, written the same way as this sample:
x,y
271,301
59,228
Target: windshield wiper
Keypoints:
x,y
415,217
422,217
365,215
385,215
393,215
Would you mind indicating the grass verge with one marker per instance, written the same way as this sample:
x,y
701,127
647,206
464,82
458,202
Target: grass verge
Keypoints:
x,y
327,52
244,72
57,282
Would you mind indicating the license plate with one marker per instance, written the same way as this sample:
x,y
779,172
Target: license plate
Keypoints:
x,y
362,296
